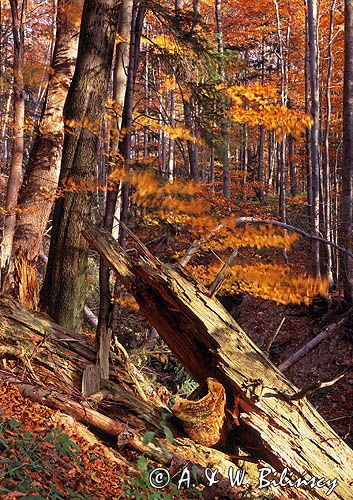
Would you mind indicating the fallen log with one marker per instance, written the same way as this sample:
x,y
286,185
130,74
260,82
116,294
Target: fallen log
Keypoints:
x,y
126,435
37,349
209,343
309,346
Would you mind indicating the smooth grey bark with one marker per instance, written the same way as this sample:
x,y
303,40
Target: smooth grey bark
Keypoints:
x,y
292,171
224,128
18,15
315,130
326,155
106,310
120,76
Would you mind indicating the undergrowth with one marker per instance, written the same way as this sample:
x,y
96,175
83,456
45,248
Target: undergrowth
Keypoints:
x,y
37,466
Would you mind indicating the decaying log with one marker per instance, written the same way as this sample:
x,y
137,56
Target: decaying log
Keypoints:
x,y
59,401
204,420
52,356
209,343
125,435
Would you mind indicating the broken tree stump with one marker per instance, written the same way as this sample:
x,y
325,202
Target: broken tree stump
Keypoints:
x,y
38,350
209,343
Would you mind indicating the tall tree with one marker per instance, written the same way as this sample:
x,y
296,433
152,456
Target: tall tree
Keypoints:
x,y
347,171
124,149
225,135
63,291
43,167
18,13
120,77
326,156
315,130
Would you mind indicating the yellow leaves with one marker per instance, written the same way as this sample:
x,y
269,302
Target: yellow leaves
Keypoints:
x,y
258,105
165,43
275,283
253,237
172,132
173,203
127,302
120,39
72,11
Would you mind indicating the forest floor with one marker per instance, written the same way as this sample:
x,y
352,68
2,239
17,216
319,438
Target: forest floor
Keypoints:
x,y
43,448
332,357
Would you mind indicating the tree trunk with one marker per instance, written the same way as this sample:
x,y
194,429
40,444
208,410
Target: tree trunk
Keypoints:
x,y
192,148
15,177
292,172
209,343
309,172
64,287
326,160
224,128
124,150
315,130
43,167
347,171
120,78
170,170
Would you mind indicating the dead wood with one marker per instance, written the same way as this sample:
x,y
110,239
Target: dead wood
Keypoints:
x,y
124,435
209,343
204,420
326,333
52,356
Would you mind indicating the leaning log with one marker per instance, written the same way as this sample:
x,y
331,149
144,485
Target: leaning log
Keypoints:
x,y
208,342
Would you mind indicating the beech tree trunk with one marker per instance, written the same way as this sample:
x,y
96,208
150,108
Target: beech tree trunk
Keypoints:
x,y
121,192
120,78
209,343
326,156
224,128
42,172
64,287
15,178
315,130
192,148
347,171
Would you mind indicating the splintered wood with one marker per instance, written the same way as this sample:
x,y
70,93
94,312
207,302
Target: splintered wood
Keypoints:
x,y
288,435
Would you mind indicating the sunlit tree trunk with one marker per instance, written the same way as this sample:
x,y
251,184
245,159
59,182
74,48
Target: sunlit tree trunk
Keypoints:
x,y
124,149
326,157
42,172
120,75
64,288
282,146
18,14
170,169
315,130
309,172
347,171
192,147
224,128
245,156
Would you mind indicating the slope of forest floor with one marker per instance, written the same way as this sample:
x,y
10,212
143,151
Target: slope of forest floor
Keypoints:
x,y
332,357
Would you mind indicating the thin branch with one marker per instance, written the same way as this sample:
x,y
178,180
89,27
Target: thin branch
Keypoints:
x,y
252,220
219,279
268,345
